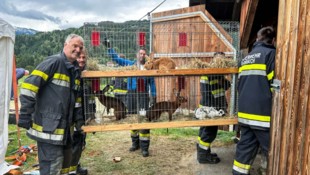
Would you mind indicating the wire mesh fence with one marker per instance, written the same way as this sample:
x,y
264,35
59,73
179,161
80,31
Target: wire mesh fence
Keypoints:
x,y
176,97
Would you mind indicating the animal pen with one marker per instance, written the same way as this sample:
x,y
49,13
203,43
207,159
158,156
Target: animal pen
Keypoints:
x,y
189,37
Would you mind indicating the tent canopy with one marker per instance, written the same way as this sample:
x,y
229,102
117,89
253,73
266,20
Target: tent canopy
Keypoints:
x,y
7,39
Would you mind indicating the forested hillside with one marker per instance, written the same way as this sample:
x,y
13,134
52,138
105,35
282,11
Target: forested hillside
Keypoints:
x,y
30,50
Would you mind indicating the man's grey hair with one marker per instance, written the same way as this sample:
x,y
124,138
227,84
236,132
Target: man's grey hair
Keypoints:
x,y
71,36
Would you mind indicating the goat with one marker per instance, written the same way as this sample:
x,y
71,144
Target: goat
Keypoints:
x,y
157,109
111,102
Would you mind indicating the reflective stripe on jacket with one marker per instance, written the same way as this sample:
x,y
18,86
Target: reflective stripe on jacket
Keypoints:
x,y
256,72
50,95
212,89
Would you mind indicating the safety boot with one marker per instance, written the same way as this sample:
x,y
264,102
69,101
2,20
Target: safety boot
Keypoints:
x,y
206,157
145,153
145,144
135,144
81,171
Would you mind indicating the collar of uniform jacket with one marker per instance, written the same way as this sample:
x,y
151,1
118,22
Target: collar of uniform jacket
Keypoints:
x,y
68,64
261,43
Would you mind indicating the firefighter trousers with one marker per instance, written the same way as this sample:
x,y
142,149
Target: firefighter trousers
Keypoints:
x,y
207,135
52,157
247,148
77,148
141,138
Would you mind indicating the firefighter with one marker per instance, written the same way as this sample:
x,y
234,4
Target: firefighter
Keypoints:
x,y
212,89
48,112
79,138
138,97
119,86
256,72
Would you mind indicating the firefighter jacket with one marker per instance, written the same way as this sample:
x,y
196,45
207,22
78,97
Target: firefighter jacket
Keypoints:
x,y
139,84
88,101
212,89
119,86
256,72
49,94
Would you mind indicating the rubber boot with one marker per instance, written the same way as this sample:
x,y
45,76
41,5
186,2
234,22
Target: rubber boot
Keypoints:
x,y
81,171
135,144
145,144
206,157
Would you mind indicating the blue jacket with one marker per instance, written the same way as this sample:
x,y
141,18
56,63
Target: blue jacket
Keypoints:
x,y
132,81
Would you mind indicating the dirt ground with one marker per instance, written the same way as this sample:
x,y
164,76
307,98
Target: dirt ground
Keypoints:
x,y
168,155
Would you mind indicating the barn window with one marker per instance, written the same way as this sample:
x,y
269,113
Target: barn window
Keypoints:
x,y
182,39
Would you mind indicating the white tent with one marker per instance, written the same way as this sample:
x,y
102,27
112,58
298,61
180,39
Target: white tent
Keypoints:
x,y
7,39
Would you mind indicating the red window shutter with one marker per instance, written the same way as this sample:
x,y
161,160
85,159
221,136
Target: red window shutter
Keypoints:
x,y
141,39
95,38
95,85
182,39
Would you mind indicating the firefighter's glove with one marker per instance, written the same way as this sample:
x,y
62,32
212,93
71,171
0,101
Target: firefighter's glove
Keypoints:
x,y
25,121
106,43
79,124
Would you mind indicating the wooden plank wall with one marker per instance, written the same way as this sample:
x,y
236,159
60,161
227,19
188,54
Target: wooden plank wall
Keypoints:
x,y
200,37
246,21
290,133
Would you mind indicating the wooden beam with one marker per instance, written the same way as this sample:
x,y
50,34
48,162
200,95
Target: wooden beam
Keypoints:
x,y
248,11
171,72
177,124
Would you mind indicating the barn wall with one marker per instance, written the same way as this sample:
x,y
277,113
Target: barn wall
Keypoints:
x,y
199,37
290,139
248,9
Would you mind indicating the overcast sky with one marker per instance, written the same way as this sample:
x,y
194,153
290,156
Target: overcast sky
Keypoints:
x,y
48,15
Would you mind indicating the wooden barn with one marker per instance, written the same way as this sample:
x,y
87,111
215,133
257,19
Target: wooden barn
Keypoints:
x,y
290,138
186,34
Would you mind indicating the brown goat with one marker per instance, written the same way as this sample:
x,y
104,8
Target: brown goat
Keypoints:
x,y
165,106
111,102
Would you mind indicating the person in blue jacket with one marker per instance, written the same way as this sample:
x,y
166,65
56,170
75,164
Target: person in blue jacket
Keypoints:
x,y
138,97
20,73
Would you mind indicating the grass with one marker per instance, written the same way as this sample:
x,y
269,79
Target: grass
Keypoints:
x,y
13,146
103,146
222,136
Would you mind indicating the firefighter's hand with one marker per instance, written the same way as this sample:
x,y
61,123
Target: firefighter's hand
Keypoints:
x,y
25,121
79,124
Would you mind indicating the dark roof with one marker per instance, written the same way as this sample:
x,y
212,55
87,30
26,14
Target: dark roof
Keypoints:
x,y
221,10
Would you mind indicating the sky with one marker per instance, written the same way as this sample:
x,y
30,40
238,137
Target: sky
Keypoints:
x,y
49,15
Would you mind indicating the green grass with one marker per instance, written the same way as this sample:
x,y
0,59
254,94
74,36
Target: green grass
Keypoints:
x,y
103,163
13,146
175,133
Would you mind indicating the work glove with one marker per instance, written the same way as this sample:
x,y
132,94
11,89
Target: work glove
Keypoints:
x,y
79,124
25,121
106,43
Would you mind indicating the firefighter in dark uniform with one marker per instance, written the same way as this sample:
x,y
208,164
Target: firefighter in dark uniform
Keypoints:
x,y
48,98
256,72
79,138
119,86
212,89
138,96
